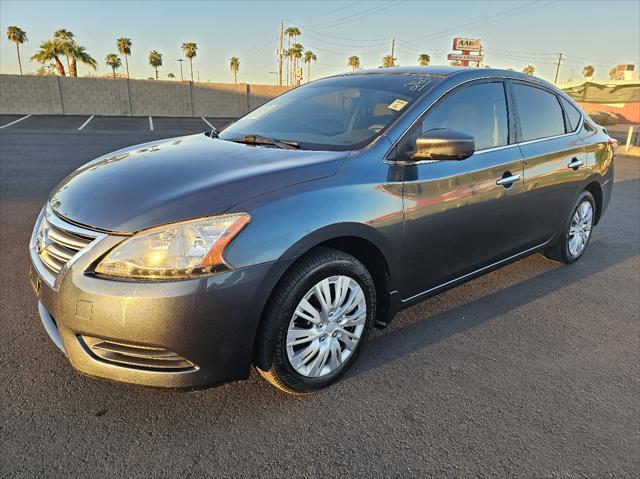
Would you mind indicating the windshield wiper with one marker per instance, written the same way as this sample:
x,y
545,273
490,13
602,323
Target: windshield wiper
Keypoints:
x,y
264,140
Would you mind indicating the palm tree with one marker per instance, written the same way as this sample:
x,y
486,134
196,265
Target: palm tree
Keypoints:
x,y
170,76
388,61
295,52
65,38
79,53
529,70
123,44
424,59
354,62
234,65
309,57
18,36
50,50
155,60
190,49
291,33
114,62
588,70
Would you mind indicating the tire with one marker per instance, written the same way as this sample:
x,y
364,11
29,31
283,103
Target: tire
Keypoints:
x,y
290,332
564,250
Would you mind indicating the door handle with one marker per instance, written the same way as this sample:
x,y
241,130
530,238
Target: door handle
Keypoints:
x,y
575,164
507,180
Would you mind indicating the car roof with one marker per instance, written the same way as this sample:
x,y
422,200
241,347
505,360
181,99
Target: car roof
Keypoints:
x,y
447,71
439,70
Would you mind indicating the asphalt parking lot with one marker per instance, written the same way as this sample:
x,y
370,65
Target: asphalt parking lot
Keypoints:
x,y
530,371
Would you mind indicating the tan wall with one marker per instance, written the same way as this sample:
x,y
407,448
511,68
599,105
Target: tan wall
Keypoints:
x,y
52,95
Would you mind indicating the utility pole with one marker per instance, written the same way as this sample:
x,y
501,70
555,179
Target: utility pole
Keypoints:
x,y
393,48
555,80
280,54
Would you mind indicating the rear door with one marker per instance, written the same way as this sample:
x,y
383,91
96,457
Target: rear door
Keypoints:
x,y
554,163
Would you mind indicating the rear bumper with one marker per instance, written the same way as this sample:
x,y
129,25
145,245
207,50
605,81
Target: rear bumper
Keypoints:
x,y
179,334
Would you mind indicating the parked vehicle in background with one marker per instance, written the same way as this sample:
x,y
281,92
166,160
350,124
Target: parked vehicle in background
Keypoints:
x,y
281,241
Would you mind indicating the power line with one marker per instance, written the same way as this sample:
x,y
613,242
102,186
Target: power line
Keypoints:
x,y
306,28
364,14
500,16
344,7
374,45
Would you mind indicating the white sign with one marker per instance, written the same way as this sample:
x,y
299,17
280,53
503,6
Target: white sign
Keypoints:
x,y
467,44
462,58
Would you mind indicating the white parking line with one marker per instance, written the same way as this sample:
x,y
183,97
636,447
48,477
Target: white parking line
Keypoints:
x,y
205,120
14,122
86,122
150,124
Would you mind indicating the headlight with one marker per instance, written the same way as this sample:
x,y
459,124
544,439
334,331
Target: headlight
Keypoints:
x,y
175,251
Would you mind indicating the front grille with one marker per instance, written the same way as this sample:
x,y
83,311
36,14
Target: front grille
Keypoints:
x,y
135,356
57,241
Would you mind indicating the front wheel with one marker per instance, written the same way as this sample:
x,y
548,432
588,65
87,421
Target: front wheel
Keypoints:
x,y
575,236
316,322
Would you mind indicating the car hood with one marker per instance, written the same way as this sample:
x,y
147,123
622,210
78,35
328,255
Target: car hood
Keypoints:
x,y
181,178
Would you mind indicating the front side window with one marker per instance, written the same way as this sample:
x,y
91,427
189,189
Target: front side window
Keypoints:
x,y
339,113
539,112
479,110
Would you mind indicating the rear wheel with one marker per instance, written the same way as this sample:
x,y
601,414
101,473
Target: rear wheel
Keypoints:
x,y
575,236
316,322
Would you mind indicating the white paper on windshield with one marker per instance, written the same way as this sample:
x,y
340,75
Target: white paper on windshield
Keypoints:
x,y
397,105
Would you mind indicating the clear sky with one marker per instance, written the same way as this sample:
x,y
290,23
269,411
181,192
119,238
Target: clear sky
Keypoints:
x,y
514,33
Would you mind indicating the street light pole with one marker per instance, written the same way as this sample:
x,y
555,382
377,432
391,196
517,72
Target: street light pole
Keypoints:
x,y
180,60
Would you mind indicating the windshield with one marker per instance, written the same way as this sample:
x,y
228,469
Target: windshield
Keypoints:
x,y
340,113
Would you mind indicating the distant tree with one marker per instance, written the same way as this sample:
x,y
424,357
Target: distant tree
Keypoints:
x,y
388,61
529,70
18,36
43,71
424,59
234,66
77,54
50,50
114,62
455,63
309,57
170,76
588,71
295,52
190,49
123,44
65,38
155,60
292,33
354,62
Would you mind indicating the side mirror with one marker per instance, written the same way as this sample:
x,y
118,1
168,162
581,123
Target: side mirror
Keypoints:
x,y
444,144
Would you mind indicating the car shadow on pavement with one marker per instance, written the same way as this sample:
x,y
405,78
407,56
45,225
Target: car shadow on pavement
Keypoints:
x,y
389,346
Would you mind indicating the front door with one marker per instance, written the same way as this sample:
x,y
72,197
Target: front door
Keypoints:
x,y
462,215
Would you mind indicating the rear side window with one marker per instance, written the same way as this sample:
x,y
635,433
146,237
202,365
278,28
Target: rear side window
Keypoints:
x,y
479,110
539,111
573,115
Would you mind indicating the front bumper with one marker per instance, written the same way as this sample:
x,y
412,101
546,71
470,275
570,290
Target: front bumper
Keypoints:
x,y
207,323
